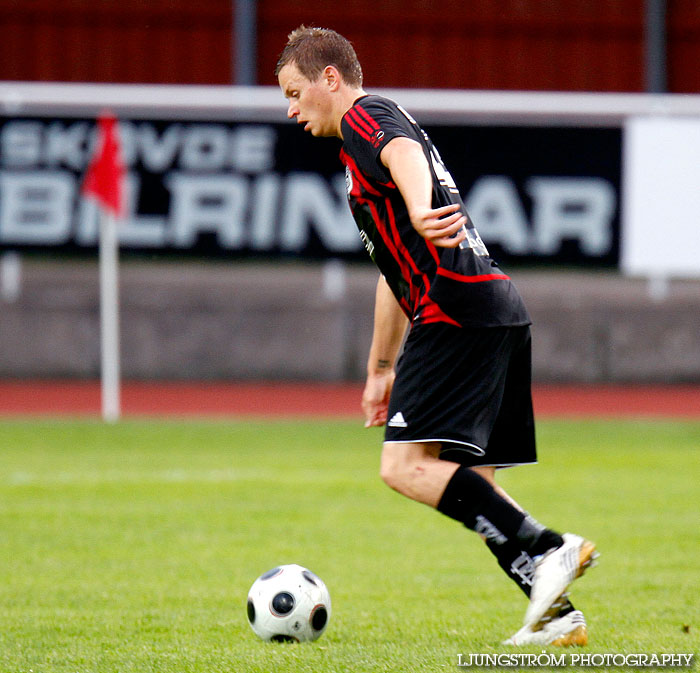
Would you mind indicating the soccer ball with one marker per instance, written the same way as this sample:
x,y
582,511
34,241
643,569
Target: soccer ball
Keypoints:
x,y
289,603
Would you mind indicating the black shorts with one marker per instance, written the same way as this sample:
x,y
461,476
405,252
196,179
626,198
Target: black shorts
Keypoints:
x,y
470,390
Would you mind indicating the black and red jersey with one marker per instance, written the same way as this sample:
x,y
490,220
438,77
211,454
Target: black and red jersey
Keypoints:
x,y
460,286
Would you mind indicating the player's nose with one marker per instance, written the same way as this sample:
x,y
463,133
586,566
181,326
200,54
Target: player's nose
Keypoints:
x,y
292,111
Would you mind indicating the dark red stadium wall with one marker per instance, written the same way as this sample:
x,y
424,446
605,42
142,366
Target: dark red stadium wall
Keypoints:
x,y
481,44
574,45
577,45
144,41
684,46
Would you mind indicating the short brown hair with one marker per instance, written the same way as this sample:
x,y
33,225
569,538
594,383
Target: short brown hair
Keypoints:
x,y
312,49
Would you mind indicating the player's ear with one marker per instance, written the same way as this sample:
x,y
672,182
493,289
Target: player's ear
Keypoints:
x,y
331,77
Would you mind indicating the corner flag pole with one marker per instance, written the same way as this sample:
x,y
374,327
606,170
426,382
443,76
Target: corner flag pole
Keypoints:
x,y
109,318
104,181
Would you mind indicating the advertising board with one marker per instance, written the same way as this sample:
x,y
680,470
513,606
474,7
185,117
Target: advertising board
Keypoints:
x,y
242,188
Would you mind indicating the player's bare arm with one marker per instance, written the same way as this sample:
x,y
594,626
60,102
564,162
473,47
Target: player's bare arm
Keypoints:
x,y
390,325
444,227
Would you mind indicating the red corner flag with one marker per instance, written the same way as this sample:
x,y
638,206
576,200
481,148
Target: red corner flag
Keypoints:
x,y
104,178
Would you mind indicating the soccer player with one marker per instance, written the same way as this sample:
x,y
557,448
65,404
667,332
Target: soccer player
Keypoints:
x,y
457,404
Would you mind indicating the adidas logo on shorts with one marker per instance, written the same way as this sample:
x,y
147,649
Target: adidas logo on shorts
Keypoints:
x,y
397,421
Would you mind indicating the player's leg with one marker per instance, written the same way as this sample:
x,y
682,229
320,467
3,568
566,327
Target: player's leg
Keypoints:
x,y
416,471
451,383
543,577
513,559
565,626
520,566
488,472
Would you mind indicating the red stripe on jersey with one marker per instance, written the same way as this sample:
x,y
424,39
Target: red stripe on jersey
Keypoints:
x,y
357,174
401,247
381,228
370,128
373,124
433,313
359,179
483,278
391,246
433,251
358,125
426,311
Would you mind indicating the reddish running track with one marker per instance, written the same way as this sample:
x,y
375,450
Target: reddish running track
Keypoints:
x,y
80,398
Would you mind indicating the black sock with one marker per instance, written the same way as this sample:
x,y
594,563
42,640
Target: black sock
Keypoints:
x,y
520,567
516,563
470,498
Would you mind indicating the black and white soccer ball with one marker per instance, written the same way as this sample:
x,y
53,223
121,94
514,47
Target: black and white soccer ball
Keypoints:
x,y
289,603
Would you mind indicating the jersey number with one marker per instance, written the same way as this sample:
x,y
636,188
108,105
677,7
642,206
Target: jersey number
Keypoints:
x,y
443,175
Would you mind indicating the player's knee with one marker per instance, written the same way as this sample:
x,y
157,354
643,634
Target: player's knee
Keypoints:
x,y
398,471
388,471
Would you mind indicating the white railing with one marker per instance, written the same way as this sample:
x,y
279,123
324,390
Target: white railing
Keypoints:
x,y
265,103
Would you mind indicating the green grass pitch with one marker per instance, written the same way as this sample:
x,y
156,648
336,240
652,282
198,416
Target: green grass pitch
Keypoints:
x,y
131,548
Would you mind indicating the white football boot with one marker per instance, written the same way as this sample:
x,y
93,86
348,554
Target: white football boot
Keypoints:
x,y
554,571
563,631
